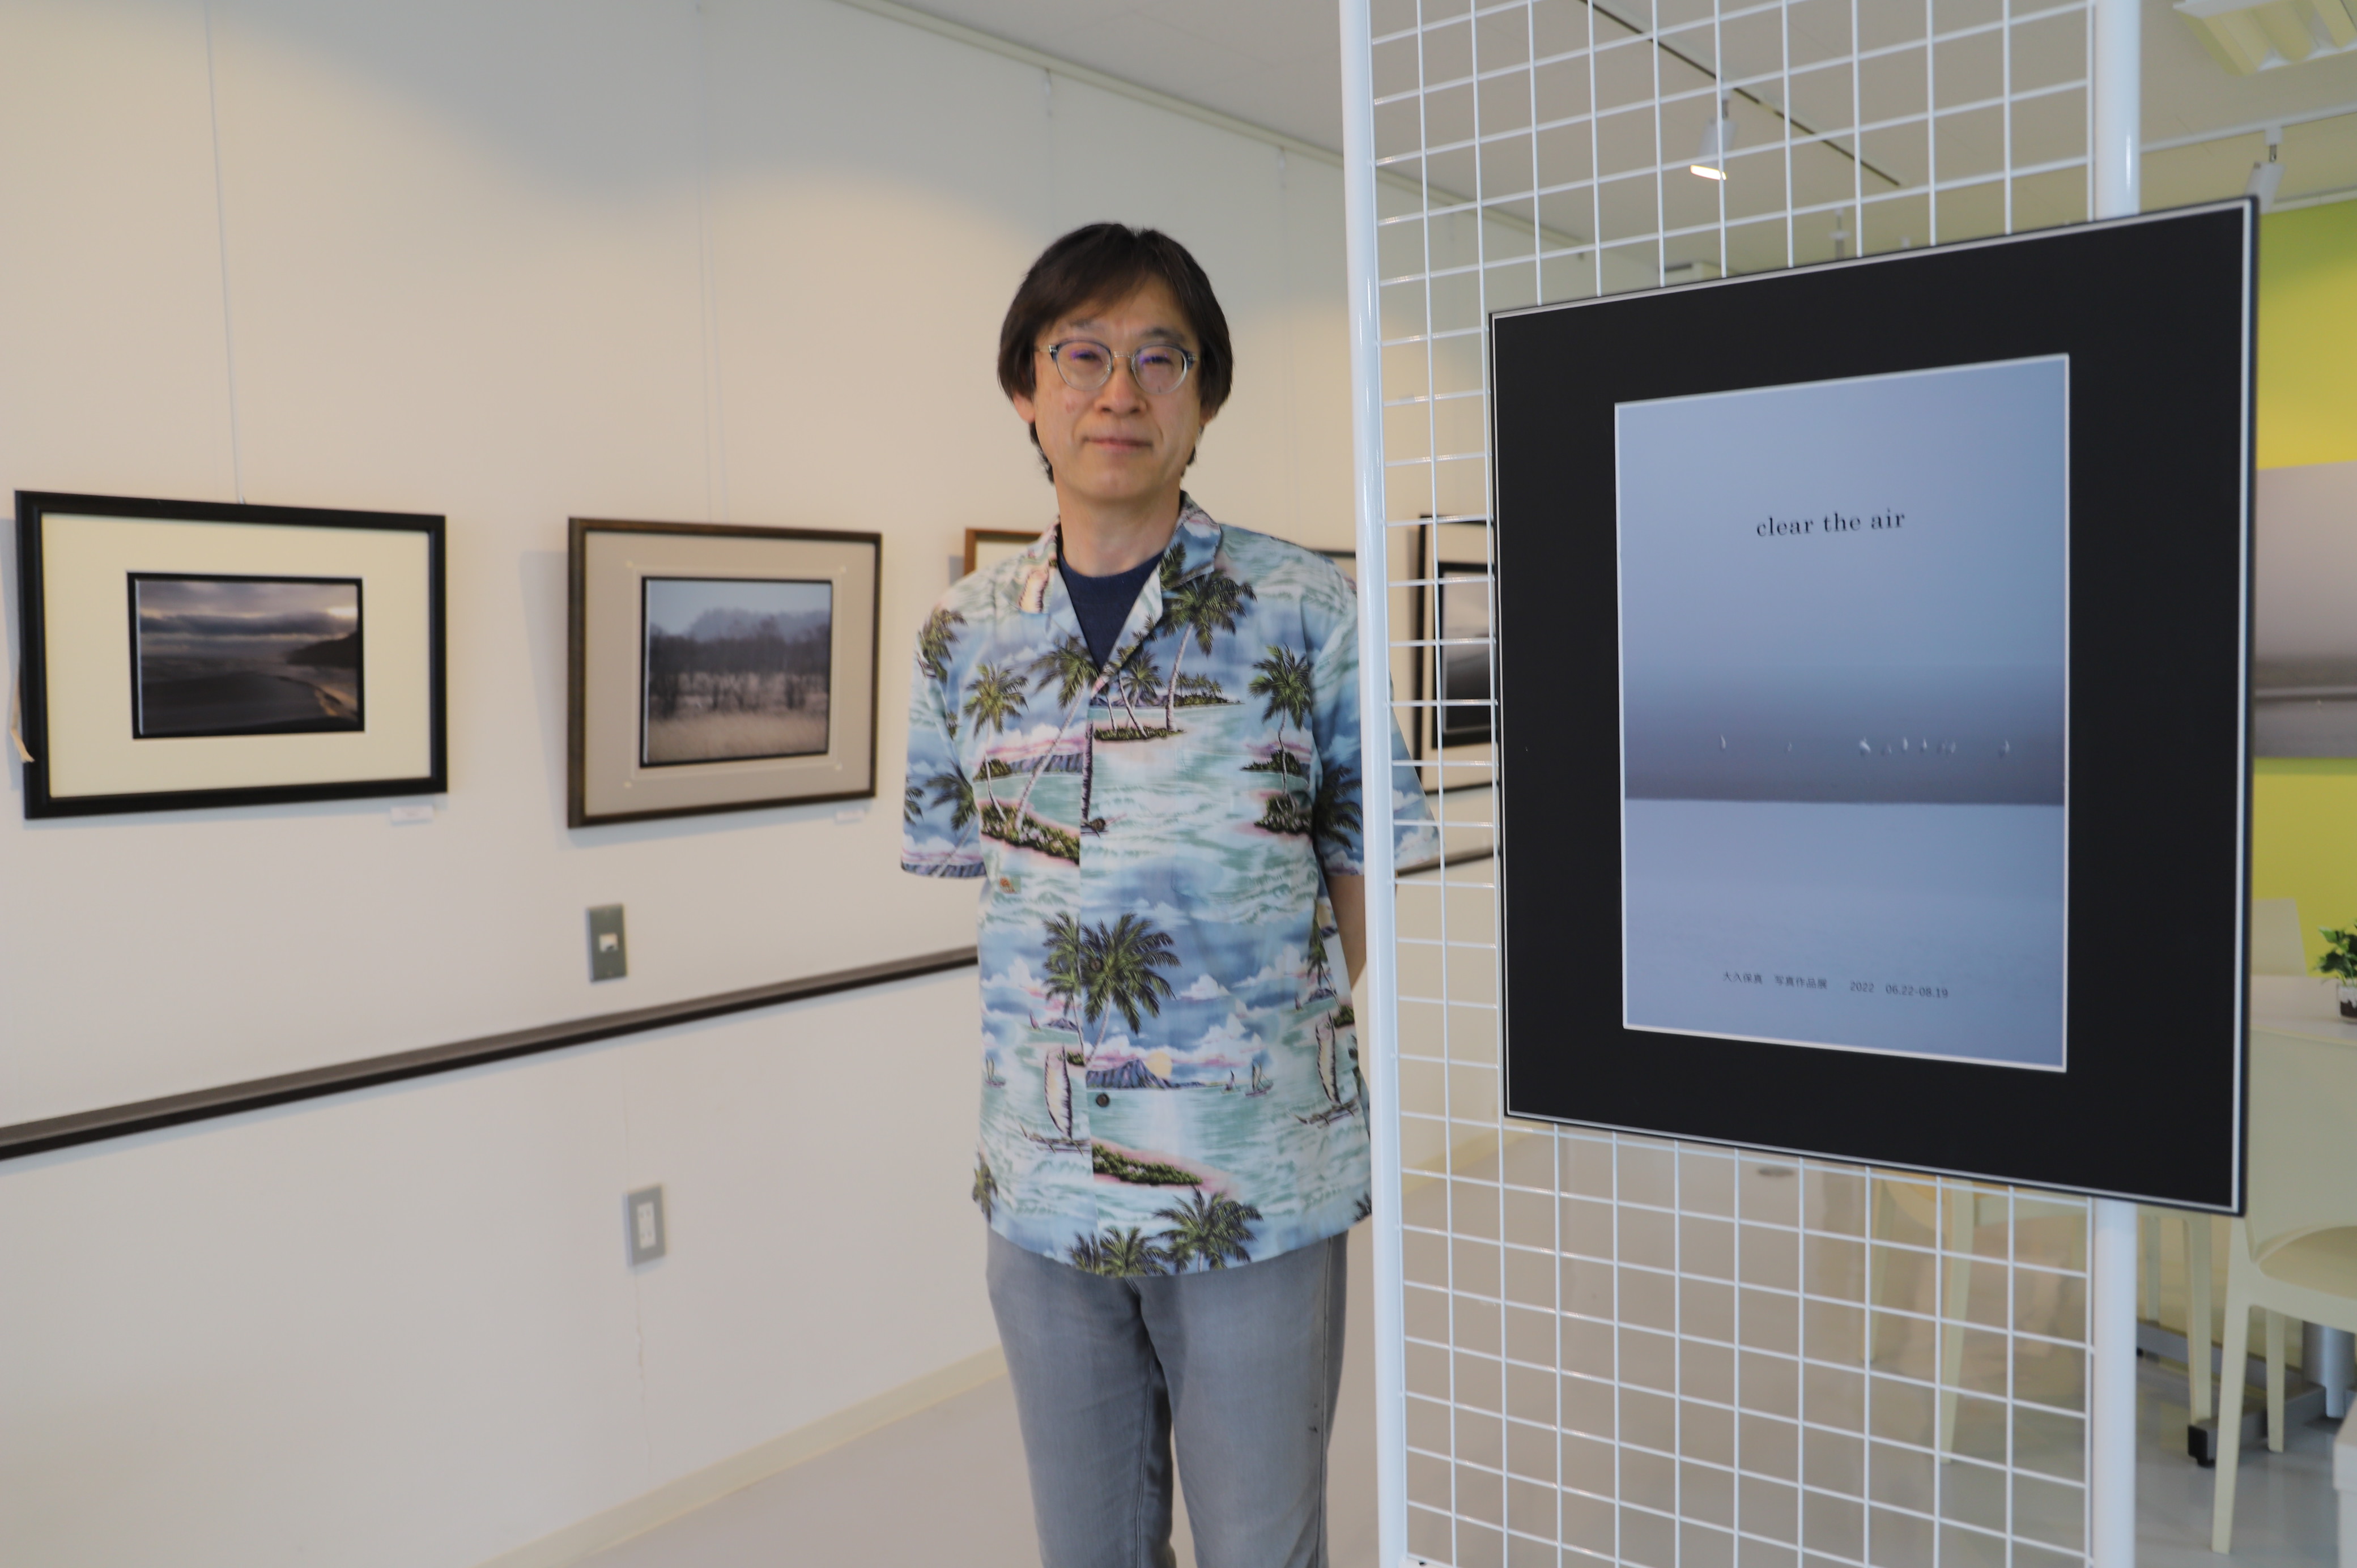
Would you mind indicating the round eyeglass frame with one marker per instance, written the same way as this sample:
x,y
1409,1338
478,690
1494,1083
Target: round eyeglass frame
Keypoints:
x,y
1055,352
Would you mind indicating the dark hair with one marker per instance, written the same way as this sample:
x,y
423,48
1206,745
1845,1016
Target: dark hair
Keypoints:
x,y
1097,265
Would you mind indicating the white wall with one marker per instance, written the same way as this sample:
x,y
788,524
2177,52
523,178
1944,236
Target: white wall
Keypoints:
x,y
512,262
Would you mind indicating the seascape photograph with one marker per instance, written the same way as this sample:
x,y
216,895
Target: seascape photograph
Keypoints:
x,y
1844,650
735,669
224,656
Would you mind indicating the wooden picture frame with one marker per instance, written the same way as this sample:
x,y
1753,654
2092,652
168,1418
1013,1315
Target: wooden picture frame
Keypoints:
x,y
989,546
716,667
177,655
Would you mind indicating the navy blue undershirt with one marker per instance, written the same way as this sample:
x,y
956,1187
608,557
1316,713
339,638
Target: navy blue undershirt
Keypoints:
x,y
1102,604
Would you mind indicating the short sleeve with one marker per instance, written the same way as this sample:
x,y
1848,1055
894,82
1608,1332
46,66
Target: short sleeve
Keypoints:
x,y
1336,814
939,833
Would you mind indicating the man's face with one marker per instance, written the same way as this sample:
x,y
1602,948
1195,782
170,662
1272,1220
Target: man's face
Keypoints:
x,y
1116,444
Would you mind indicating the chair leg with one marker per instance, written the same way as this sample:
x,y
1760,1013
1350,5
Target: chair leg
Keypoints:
x,y
2197,1315
2275,1381
1873,1263
2230,1400
1960,1207
2149,1272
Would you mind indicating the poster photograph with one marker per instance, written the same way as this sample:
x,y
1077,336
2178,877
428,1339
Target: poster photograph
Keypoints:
x,y
1844,712
1873,667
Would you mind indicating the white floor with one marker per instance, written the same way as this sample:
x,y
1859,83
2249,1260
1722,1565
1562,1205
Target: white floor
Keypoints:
x,y
945,1486
2284,1506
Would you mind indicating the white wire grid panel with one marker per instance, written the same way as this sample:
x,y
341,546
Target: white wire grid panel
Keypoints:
x,y
1622,1349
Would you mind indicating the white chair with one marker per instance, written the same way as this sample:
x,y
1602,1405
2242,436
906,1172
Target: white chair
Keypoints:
x,y
2294,1253
2196,1298
1968,1209
2276,945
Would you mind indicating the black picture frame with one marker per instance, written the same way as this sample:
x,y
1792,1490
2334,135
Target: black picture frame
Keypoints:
x,y
38,510
599,756
1446,733
2156,314
1462,675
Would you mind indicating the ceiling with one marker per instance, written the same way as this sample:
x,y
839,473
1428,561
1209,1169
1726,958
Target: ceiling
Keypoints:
x,y
1276,63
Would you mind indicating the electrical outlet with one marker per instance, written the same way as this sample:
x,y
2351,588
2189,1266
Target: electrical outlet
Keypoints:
x,y
642,1224
608,958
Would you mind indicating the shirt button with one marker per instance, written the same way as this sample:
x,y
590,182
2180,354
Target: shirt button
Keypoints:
x,y
1104,1099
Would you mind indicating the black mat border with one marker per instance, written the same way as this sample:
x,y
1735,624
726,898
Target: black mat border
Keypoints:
x,y
2156,314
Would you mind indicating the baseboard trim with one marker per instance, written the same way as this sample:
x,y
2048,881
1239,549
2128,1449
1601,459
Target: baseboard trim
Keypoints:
x,y
564,1547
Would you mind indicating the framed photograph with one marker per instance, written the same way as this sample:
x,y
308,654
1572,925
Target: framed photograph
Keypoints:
x,y
989,546
181,654
1873,706
719,668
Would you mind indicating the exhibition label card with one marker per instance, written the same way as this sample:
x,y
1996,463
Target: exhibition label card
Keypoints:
x,y
1844,710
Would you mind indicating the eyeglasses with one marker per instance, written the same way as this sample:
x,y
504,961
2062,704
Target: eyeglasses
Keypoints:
x,y
1087,365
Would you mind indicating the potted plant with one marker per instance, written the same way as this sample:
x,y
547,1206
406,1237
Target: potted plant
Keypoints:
x,y
2340,962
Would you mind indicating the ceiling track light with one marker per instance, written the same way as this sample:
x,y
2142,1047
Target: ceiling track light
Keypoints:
x,y
1717,141
2266,178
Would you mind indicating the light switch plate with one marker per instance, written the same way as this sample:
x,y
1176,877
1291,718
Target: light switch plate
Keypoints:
x,y
642,1224
609,957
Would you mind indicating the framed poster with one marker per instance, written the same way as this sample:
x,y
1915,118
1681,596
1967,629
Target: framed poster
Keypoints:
x,y
989,546
1880,635
181,654
718,669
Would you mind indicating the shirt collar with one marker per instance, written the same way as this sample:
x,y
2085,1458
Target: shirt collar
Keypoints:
x,y
1195,544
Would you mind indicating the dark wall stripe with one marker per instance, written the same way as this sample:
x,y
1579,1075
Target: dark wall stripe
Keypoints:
x,y
146,1115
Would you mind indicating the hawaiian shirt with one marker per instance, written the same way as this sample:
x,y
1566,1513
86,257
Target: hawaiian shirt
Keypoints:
x,y
1169,1062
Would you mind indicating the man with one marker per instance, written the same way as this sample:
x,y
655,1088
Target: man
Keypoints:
x,y
1143,734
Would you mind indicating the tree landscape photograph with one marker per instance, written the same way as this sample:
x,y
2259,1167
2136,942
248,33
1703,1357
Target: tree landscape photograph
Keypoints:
x,y
224,656
735,669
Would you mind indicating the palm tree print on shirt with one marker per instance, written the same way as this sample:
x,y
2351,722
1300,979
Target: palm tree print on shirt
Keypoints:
x,y
1120,1253
985,1186
1067,947
1198,610
1334,809
1206,1231
1285,679
1117,974
937,642
996,696
956,791
1108,970
1074,671
1139,679
1199,1172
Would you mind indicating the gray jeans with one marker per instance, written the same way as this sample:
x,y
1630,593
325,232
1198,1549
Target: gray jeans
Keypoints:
x,y
1244,1364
